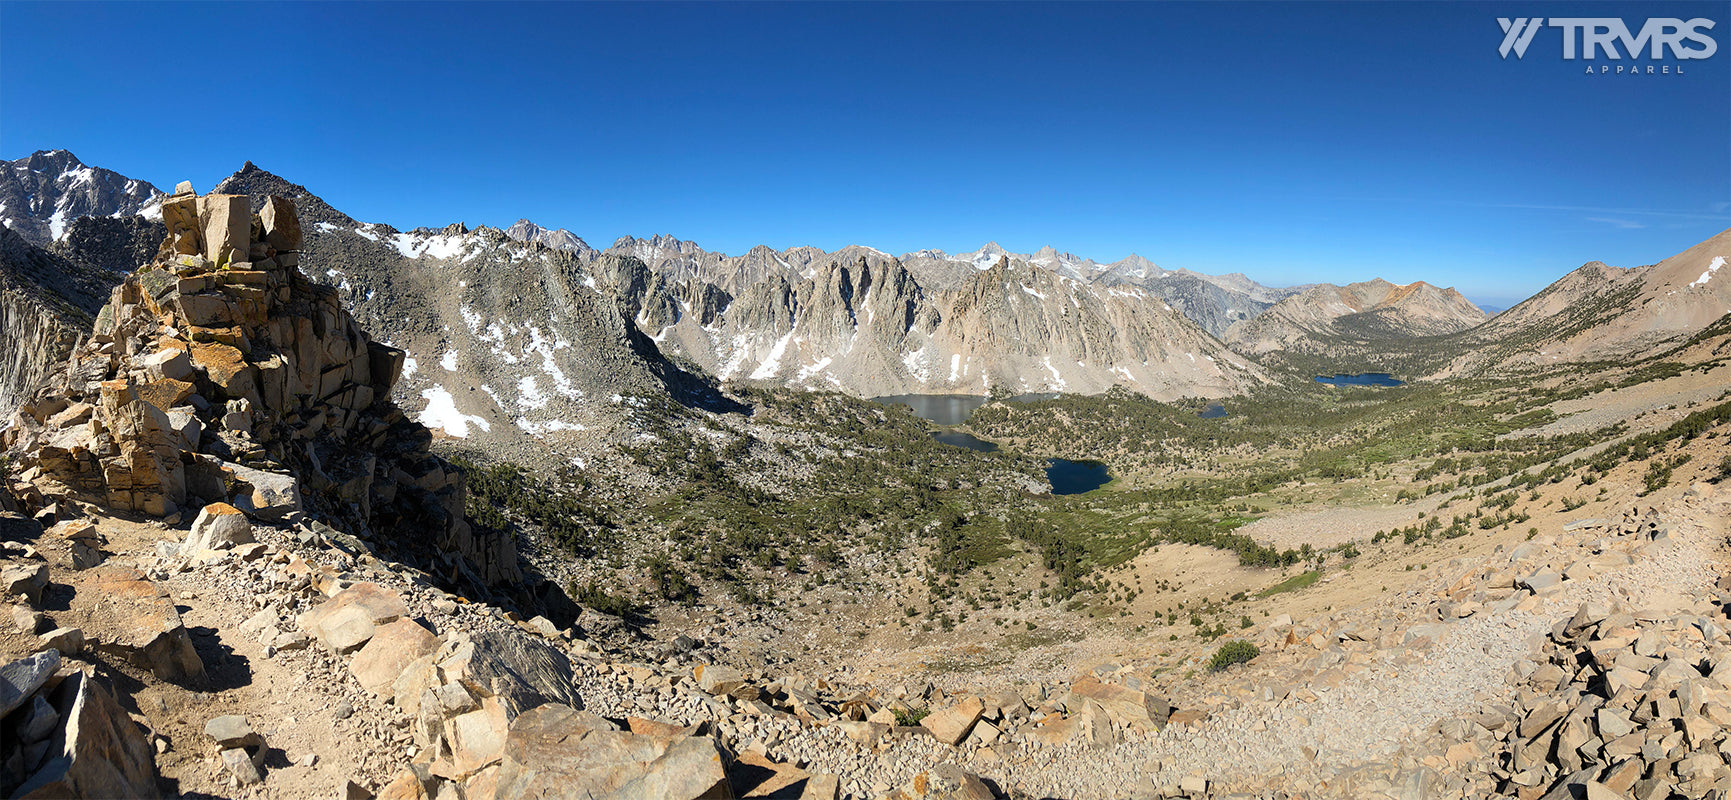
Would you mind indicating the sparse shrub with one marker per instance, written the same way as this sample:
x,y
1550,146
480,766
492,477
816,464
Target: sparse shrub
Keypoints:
x,y
593,596
1236,651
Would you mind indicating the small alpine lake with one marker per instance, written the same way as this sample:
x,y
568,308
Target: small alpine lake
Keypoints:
x,y
950,409
1361,379
968,440
947,410
1076,477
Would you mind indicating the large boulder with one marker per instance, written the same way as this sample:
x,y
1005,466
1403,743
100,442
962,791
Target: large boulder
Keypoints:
x,y
524,671
1125,706
147,630
558,751
392,649
100,752
218,527
227,223
282,227
265,495
951,725
349,619
21,678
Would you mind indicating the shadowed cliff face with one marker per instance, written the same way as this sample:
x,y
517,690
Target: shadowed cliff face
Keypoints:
x,y
46,304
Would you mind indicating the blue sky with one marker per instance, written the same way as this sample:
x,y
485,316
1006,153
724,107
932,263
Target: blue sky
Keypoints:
x,y
1291,142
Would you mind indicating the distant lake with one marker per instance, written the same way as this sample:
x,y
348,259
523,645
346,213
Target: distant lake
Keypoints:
x,y
959,439
950,409
1075,477
1213,411
1361,379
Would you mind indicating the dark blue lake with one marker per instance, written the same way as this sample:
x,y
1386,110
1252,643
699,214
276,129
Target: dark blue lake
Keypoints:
x,y
1361,379
959,439
1075,477
1213,411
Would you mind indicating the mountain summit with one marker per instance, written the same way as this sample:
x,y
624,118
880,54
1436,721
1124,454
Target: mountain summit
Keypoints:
x,y
40,195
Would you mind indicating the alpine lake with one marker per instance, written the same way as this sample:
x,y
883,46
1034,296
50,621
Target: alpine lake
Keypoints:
x,y
948,410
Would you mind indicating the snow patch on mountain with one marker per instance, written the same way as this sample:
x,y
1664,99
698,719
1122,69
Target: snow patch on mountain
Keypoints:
x,y
441,412
772,364
1718,261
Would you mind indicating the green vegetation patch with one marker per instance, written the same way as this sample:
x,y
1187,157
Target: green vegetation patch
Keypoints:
x,y
1292,584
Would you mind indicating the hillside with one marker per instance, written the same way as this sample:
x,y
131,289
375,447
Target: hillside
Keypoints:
x,y
1368,311
1603,313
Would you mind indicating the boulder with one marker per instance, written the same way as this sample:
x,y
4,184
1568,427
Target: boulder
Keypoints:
x,y
147,630
68,641
1125,706
477,738
393,647
219,526
951,725
944,782
558,751
169,363
21,678
42,721
721,680
164,393
232,731
282,227
180,215
28,620
405,786
26,581
227,368
240,764
349,618
226,220
525,671
100,752
265,495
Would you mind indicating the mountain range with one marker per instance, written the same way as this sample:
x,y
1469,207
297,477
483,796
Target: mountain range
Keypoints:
x,y
528,338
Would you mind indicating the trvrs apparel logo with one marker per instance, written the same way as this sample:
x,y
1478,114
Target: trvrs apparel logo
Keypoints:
x,y
1595,33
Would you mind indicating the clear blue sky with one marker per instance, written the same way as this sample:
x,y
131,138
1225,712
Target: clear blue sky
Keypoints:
x,y
1292,142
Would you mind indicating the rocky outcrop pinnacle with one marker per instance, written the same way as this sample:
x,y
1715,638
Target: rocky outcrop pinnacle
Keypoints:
x,y
218,373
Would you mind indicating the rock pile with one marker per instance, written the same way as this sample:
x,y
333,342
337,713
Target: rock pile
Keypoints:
x,y
218,374
1630,703
65,736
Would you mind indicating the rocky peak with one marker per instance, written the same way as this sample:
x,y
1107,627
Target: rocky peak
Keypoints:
x,y
258,184
525,231
218,373
54,161
1138,266
42,194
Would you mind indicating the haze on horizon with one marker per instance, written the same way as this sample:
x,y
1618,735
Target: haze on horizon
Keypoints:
x,y
1292,142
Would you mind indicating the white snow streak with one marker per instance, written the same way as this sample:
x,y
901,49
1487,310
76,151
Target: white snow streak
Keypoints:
x,y
1718,261
441,412
772,364
530,394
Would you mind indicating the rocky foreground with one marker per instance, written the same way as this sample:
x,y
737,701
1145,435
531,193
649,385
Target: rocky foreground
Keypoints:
x,y
281,660
234,569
